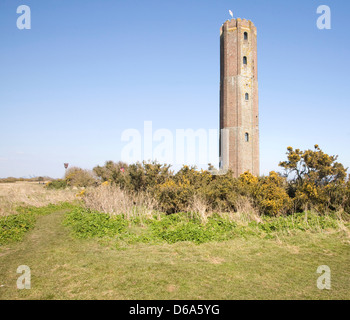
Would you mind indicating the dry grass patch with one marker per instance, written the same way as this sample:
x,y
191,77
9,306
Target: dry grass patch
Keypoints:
x,y
17,194
115,201
216,260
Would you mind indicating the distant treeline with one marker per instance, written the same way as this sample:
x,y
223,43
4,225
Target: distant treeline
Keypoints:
x,y
34,179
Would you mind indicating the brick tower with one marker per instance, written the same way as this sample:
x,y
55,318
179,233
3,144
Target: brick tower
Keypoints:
x,y
239,106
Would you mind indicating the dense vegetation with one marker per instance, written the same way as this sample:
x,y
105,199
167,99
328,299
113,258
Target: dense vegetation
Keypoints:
x,y
14,227
183,227
312,195
311,180
186,231
147,202
34,179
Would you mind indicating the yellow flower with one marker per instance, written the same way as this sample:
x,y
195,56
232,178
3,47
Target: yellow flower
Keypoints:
x,y
81,193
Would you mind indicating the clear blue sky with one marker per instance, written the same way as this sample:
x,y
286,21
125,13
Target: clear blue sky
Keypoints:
x,y
88,70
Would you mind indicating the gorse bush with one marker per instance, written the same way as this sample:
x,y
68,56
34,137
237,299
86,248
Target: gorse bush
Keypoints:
x,y
312,180
113,173
78,177
316,180
271,196
147,202
174,196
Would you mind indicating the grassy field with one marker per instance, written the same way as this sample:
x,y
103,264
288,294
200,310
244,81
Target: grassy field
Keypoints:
x,y
63,267
30,194
251,267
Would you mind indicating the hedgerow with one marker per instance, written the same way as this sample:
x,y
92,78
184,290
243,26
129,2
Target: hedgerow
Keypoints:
x,y
311,180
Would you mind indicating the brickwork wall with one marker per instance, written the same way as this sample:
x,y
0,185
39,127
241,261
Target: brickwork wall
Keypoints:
x,y
238,115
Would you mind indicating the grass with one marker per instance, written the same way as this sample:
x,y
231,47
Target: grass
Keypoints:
x,y
74,253
14,227
182,227
66,267
17,194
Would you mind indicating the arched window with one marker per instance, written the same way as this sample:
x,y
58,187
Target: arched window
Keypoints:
x,y
245,35
247,96
246,137
245,61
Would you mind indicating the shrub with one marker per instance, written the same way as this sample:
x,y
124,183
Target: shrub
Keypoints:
x,y
222,192
57,184
147,175
114,173
77,177
174,196
313,165
317,180
271,196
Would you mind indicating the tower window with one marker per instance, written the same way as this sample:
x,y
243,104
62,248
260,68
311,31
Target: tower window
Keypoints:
x,y
247,96
246,137
245,35
245,61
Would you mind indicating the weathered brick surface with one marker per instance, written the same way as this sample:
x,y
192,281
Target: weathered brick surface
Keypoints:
x,y
237,115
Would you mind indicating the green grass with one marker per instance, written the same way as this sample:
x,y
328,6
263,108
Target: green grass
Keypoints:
x,y
14,227
256,266
183,227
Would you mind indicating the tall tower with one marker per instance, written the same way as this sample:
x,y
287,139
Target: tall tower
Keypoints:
x,y
239,105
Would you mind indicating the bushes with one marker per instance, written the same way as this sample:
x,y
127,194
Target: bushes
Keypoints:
x,y
114,173
174,196
135,177
57,184
315,181
77,177
74,177
147,176
271,196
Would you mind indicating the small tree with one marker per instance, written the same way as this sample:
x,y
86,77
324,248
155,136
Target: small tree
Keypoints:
x,y
315,179
314,166
77,177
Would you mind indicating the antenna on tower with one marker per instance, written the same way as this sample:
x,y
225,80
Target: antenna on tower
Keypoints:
x,y
231,13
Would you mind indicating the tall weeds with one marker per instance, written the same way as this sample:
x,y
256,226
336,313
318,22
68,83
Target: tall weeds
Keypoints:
x,y
115,201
